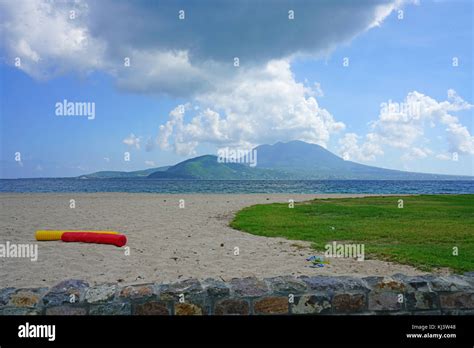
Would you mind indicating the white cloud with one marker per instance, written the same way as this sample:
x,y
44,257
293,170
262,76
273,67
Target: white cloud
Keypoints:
x,y
350,149
46,40
260,102
170,56
150,163
443,157
459,138
318,91
257,106
132,140
403,126
417,153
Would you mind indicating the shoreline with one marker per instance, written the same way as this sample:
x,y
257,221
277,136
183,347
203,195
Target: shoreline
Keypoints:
x,y
167,243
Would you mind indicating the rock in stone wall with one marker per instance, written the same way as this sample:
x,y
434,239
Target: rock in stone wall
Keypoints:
x,y
286,295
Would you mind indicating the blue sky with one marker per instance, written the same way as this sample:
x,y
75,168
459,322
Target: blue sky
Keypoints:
x,y
81,60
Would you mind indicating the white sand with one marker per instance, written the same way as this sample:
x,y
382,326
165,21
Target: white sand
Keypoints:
x,y
166,243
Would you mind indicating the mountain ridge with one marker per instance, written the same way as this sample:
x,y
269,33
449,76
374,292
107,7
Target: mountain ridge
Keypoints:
x,y
281,161
110,174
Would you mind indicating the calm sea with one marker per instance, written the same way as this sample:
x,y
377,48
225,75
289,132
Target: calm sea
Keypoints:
x,y
234,186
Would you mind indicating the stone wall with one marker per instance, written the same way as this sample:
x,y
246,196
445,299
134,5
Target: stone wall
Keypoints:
x,y
250,296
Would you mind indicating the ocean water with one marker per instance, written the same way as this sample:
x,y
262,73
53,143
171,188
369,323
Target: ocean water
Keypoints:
x,y
235,186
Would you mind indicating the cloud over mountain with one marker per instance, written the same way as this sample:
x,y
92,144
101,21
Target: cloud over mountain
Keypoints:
x,y
147,48
258,106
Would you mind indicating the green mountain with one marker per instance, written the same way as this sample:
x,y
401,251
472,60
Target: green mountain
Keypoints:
x,y
208,168
310,161
282,161
119,174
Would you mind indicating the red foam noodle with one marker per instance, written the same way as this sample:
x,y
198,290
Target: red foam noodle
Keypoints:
x,y
98,238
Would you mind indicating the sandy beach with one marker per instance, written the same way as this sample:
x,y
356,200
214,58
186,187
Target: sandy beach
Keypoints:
x,y
167,243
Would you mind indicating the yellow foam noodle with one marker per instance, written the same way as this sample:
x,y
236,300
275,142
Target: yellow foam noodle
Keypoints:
x,y
43,235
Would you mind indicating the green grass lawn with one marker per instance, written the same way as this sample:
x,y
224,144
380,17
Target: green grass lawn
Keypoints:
x,y
422,233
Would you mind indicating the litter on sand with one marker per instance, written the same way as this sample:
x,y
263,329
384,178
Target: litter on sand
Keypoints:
x,y
317,261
